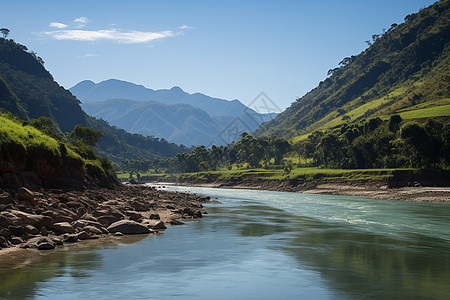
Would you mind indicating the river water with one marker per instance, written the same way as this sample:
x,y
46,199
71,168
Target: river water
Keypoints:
x,y
255,245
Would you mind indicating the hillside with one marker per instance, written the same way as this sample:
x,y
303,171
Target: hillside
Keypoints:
x,y
29,91
404,71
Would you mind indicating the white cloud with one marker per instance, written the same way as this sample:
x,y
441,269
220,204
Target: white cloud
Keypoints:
x,y
58,25
81,20
88,55
184,27
131,37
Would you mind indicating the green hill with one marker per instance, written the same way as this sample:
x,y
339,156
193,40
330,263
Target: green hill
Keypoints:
x,y
29,91
405,70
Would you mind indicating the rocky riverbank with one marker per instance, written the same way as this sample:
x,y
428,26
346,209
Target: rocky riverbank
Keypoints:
x,y
44,219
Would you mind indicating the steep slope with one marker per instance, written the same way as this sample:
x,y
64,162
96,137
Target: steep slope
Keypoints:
x,y
405,70
28,90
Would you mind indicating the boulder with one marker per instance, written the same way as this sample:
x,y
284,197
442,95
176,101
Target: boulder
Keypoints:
x,y
3,242
46,246
92,230
45,221
128,227
5,198
72,238
108,220
15,230
4,221
83,235
5,232
26,195
63,227
62,218
30,229
154,217
44,231
15,240
155,224
175,222
36,242
134,216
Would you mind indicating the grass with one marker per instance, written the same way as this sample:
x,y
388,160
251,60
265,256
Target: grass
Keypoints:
x,y
437,111
12,132
297,173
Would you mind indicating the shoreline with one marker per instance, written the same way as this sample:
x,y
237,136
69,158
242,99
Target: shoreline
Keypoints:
x,y
46,219
370,189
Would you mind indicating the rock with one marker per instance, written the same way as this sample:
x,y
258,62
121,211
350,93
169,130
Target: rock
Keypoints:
x,y
45,221
154,217
5,198
4,221
192,213
93,230
83,235
72,238
46,246
26,195
118,233
15,240
59,219
84,223
15,230
3,242
44,231
81,211
56,240
155,224
134,216
30,229
175,222
107,220
63,227
5,232
127,227
37,241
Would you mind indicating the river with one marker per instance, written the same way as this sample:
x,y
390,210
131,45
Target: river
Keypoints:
x,y
255,245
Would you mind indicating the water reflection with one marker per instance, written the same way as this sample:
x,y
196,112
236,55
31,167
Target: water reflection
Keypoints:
x,y
276,246
22,271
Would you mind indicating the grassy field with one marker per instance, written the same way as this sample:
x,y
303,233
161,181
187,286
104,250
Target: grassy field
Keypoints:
x,y
248,175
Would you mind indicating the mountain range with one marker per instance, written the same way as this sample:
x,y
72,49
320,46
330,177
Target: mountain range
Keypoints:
x,y
172,114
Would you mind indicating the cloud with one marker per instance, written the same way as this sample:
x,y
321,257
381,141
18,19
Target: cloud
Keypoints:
x,y
83,20
58,25
131,37
88,55
184,27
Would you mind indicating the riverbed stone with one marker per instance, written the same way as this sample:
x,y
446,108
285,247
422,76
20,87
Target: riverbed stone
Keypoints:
x,y
92,230
63,227
25,194
5,198
5,232
155,224
128,227
46,246
83,235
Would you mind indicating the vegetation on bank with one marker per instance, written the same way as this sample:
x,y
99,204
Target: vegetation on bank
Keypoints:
x,y
25,142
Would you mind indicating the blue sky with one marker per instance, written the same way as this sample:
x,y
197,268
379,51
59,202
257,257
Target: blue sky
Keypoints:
x,y
227,49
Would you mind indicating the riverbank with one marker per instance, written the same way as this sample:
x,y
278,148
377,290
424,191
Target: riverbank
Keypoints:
x,y
46,218
367,189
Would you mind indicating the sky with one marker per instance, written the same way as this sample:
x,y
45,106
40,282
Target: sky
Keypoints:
x,y
224,49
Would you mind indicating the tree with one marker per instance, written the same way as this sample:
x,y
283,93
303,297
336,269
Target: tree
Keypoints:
x,y
86,135
5,32
394,123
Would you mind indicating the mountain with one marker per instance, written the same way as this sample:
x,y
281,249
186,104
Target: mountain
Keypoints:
x,y
88,91
29,91
179,117
404,71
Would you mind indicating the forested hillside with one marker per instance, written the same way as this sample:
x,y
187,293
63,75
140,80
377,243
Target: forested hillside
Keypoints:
x,y
405,70
29,91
